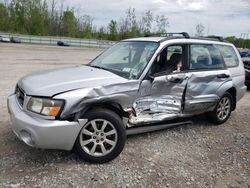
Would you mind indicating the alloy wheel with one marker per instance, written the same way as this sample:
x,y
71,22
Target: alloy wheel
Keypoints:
x,y
98,137
223,109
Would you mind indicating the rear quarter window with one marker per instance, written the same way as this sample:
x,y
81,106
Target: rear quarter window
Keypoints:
x,y
229,55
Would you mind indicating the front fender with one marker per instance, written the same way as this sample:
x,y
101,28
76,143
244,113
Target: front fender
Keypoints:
x,y
122,94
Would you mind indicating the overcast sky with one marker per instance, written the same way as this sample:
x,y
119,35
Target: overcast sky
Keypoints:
x,y
220,17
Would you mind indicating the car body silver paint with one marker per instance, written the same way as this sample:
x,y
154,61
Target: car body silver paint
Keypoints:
x,y
48,83
202,90
238,78
48,134
146,101
163,100
123,93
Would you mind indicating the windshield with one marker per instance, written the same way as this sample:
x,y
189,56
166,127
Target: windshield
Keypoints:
x,y
127,59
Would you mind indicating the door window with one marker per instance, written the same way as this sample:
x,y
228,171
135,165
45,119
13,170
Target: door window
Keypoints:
x,y
170,60
205,56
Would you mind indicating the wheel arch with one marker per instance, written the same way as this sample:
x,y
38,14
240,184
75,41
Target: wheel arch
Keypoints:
x,y
110,105
233,93
230,88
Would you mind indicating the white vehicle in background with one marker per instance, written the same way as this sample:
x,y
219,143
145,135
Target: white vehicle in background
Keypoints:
x,y
4,39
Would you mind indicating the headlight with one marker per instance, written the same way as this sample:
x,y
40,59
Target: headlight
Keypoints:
x,y
43,106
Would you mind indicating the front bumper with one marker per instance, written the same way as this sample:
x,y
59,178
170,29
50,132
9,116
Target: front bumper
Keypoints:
x,y
42,133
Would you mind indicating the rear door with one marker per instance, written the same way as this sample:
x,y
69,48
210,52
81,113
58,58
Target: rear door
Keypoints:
x,y
207,76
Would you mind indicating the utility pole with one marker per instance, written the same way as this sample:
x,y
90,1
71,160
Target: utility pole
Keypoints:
x,y
241,42
243,39
248,40
208,28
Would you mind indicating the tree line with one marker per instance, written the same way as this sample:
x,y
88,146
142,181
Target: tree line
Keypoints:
x,y
238,42
51,17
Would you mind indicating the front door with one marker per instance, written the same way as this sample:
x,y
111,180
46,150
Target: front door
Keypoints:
x,y
161,96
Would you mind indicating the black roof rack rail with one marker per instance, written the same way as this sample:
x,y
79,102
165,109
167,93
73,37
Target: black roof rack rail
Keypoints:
x,y
184,34
219,38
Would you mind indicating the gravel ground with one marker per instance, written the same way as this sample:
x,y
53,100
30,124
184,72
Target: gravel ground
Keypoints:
x,y
197,155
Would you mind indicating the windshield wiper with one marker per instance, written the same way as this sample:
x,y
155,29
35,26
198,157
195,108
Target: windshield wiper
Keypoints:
x,y
98,67
117,72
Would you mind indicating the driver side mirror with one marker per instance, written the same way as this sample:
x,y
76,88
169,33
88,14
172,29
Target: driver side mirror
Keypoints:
x,y
151,77
158,58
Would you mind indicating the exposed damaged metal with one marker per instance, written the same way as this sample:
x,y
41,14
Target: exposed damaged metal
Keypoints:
x,y
165,98
133,87
123,94
163,102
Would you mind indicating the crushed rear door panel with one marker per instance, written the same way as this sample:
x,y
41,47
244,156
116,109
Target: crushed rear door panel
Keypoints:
x,y
203,89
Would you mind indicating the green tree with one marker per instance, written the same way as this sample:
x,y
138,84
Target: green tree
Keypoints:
x,y
4,18
145,24
87,26
239,42
69,23
112,27
37,17
101,34
18,16
161,23
132,23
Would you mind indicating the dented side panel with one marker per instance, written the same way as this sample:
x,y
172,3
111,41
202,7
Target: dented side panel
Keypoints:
x,y
162,99
123,94
202,90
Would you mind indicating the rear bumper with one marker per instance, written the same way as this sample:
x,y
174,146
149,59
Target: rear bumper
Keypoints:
x,y
41,133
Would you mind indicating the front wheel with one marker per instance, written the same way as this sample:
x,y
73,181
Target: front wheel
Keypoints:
x,y
102,138
222,111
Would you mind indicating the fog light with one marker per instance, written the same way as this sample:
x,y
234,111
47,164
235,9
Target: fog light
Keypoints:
x,y
26,138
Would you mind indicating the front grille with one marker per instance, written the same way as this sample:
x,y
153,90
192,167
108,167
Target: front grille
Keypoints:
x,y
247,65
20,95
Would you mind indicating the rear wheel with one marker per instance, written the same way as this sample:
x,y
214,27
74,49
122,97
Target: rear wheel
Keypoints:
x,y
102,138
222,110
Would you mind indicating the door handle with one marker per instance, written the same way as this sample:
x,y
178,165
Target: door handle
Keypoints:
x,y
223,76
175,80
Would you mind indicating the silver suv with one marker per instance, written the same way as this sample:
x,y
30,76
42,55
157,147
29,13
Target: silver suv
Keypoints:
x,y
138,85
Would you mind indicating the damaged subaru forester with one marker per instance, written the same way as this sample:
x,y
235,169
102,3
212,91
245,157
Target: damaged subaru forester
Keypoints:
x,y
138,85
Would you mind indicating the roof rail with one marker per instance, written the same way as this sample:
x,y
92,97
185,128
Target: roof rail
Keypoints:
x,y
219,38
184,34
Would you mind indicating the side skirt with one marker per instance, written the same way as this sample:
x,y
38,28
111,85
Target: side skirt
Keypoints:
x,y
151,128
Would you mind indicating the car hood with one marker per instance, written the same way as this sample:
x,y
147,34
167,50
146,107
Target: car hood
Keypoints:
x,y
51,82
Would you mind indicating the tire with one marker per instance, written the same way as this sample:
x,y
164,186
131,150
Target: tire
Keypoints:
x,y
248,86
218,116
102,138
